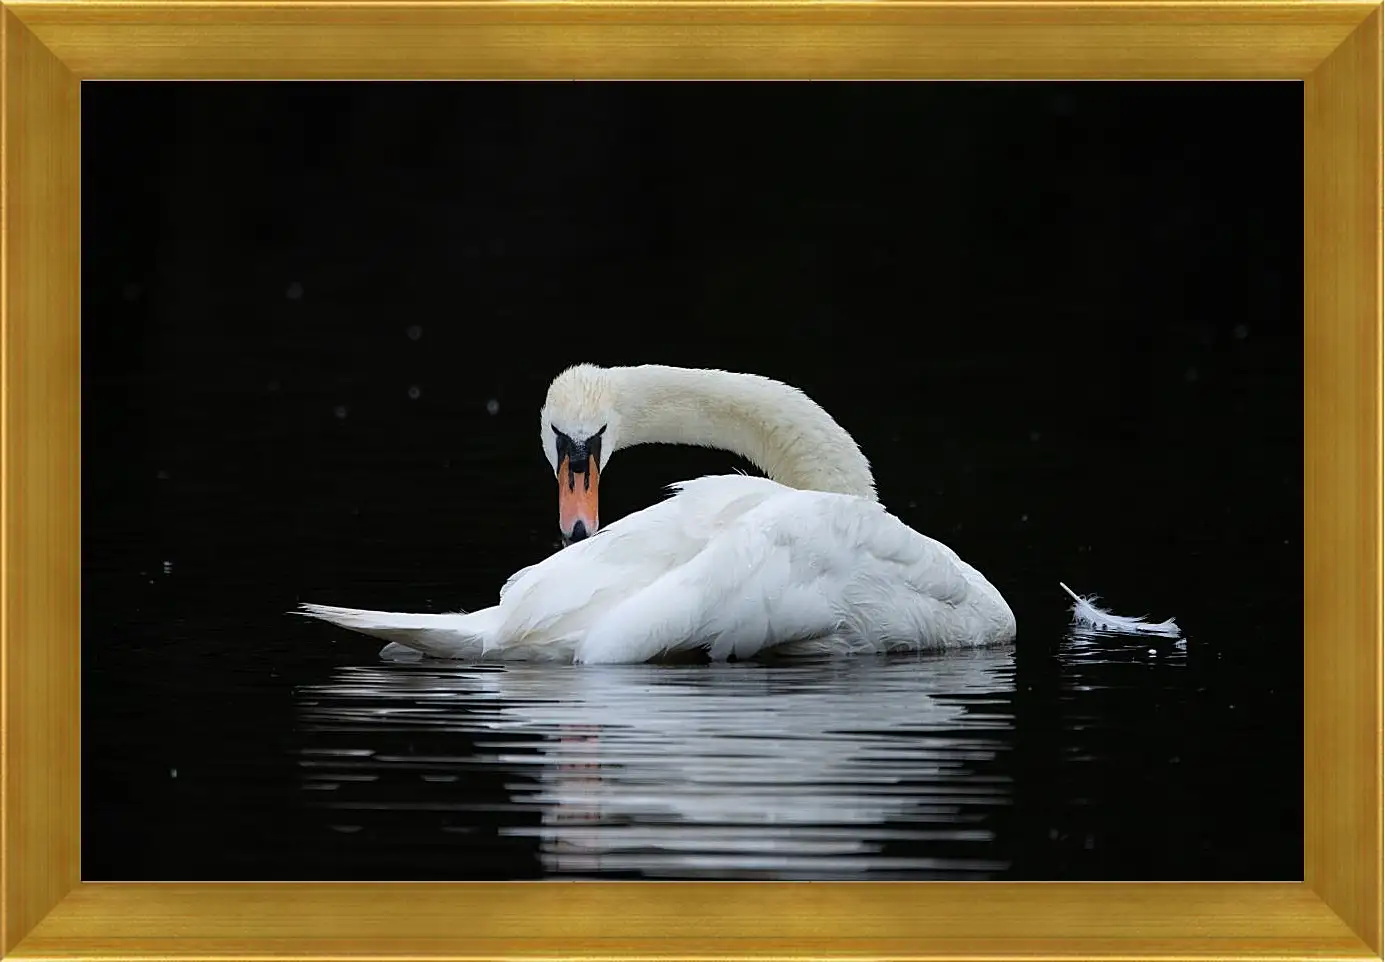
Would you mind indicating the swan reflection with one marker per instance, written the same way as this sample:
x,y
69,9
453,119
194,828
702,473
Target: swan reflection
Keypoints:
x,y
835,769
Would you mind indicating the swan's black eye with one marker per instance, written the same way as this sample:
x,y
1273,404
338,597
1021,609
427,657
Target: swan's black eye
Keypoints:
x,y
554,429
577,452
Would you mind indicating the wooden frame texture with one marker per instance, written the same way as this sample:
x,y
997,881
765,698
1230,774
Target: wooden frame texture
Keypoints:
x,y
50,47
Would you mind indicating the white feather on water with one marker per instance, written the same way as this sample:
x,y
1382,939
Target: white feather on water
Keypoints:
x,y
1086,614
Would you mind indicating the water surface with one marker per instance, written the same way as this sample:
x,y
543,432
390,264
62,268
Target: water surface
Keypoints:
x,y
849,769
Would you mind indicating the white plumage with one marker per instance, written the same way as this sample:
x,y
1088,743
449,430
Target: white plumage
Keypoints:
x,y
733,565
1086,614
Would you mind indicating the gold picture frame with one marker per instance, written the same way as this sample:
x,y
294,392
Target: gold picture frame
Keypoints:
x,y
49,47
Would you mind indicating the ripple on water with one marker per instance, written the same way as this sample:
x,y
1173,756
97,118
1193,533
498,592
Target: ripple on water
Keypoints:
x,y
857,768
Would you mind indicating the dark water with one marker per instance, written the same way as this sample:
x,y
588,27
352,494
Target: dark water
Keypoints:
x,y
1064,322
878,769
1065,756
837,770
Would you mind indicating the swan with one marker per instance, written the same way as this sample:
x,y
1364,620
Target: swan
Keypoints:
x,y
803,561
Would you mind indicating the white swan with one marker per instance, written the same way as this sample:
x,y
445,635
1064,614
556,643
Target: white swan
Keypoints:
x,y
804,561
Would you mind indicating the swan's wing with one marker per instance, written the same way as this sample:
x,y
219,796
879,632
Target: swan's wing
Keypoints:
x,y
568,590
908,587
514,579
798,565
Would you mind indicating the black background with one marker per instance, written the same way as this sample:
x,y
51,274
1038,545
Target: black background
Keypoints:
x,y
1063,321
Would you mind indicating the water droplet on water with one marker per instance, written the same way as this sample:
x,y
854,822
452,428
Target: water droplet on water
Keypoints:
x,y
168,567
173,773
492,406
340,411
414,331
1024,517
414,392
913,504
295,291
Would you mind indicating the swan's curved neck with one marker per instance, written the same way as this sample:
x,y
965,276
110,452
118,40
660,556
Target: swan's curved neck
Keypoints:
x,y
777,428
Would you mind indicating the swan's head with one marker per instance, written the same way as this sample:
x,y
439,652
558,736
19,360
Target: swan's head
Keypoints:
x,y
579,427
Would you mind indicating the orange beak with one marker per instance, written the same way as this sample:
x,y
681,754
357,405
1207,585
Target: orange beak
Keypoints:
x,y
577,515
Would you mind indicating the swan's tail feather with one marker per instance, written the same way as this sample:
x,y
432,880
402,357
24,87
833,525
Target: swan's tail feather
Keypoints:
x,y
464,636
